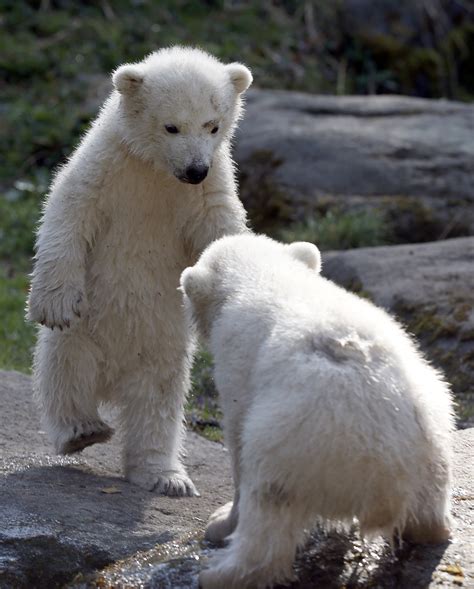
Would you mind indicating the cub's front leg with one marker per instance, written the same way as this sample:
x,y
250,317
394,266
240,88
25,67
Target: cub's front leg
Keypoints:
x,y
66,366
220,211
224,520
57,296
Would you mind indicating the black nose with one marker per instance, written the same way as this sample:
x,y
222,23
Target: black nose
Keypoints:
x,y
196,174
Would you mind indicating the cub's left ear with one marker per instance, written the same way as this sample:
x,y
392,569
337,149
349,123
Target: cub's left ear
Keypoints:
x,y
307,253
240,76
127,78
193,282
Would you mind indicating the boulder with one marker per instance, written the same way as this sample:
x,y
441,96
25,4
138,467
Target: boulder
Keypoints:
x,y
69,519
429,287
75,522
411,158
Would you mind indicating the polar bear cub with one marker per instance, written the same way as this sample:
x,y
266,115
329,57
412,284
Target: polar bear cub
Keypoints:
x,y
330,411
149,187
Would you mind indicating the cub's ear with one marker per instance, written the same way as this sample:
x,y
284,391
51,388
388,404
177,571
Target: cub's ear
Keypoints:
x,y
194,282
240,76
307,253
127,78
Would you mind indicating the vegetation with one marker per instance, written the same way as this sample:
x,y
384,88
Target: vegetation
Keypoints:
x,y
202,412
16,336
340,230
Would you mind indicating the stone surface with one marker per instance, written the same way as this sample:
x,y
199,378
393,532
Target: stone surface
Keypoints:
x,y
430,288
300,154
62,517
74,522
412,158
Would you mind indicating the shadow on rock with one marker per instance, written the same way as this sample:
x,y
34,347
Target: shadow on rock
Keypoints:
x,y
335,559
58,520
45,561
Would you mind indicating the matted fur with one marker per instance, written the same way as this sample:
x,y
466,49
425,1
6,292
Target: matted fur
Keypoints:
x,y
330,410
118,229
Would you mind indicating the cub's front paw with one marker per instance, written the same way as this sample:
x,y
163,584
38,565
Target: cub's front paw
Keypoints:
x,y
221,524
60,307
168,482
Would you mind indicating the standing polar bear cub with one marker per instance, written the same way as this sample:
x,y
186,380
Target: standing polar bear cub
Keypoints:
x,y
330,411
149,187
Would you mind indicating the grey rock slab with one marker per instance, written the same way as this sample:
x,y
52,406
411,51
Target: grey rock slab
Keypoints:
x,y
430,287
297,152
74,522
67,516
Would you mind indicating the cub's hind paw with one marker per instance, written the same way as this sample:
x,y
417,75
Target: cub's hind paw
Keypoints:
x,y
84,434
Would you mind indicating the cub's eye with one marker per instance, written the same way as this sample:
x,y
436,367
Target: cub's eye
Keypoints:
x,y
214,131
172,129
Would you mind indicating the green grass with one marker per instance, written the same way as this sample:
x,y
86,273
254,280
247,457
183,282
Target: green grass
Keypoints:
x,y
19,211
340,230
16,336
202,411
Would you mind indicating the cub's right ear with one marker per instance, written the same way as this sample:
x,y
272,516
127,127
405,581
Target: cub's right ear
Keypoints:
x,y
193,282
240,76
307,253
127,78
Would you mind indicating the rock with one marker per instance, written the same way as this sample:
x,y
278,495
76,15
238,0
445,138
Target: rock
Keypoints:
x,y
64,518
430,288
299,154
75,522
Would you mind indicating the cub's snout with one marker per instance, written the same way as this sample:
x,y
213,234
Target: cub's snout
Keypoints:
x,y
194,174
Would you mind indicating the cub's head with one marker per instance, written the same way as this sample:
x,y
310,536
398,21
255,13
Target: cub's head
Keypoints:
x,y
177,106
232,266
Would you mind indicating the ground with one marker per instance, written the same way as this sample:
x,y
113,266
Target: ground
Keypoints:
x,y
74,522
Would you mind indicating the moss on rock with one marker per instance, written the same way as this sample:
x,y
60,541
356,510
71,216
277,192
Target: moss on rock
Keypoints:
x,y
449,346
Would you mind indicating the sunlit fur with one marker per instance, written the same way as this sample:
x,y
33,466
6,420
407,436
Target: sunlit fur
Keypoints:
x,y
117,230
330,410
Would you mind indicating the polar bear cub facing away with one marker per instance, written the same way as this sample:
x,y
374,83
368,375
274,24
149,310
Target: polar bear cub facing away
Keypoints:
x,y
149,187
330,411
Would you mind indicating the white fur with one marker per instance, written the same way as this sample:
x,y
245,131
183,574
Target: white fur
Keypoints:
x,y
117,231
330,410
